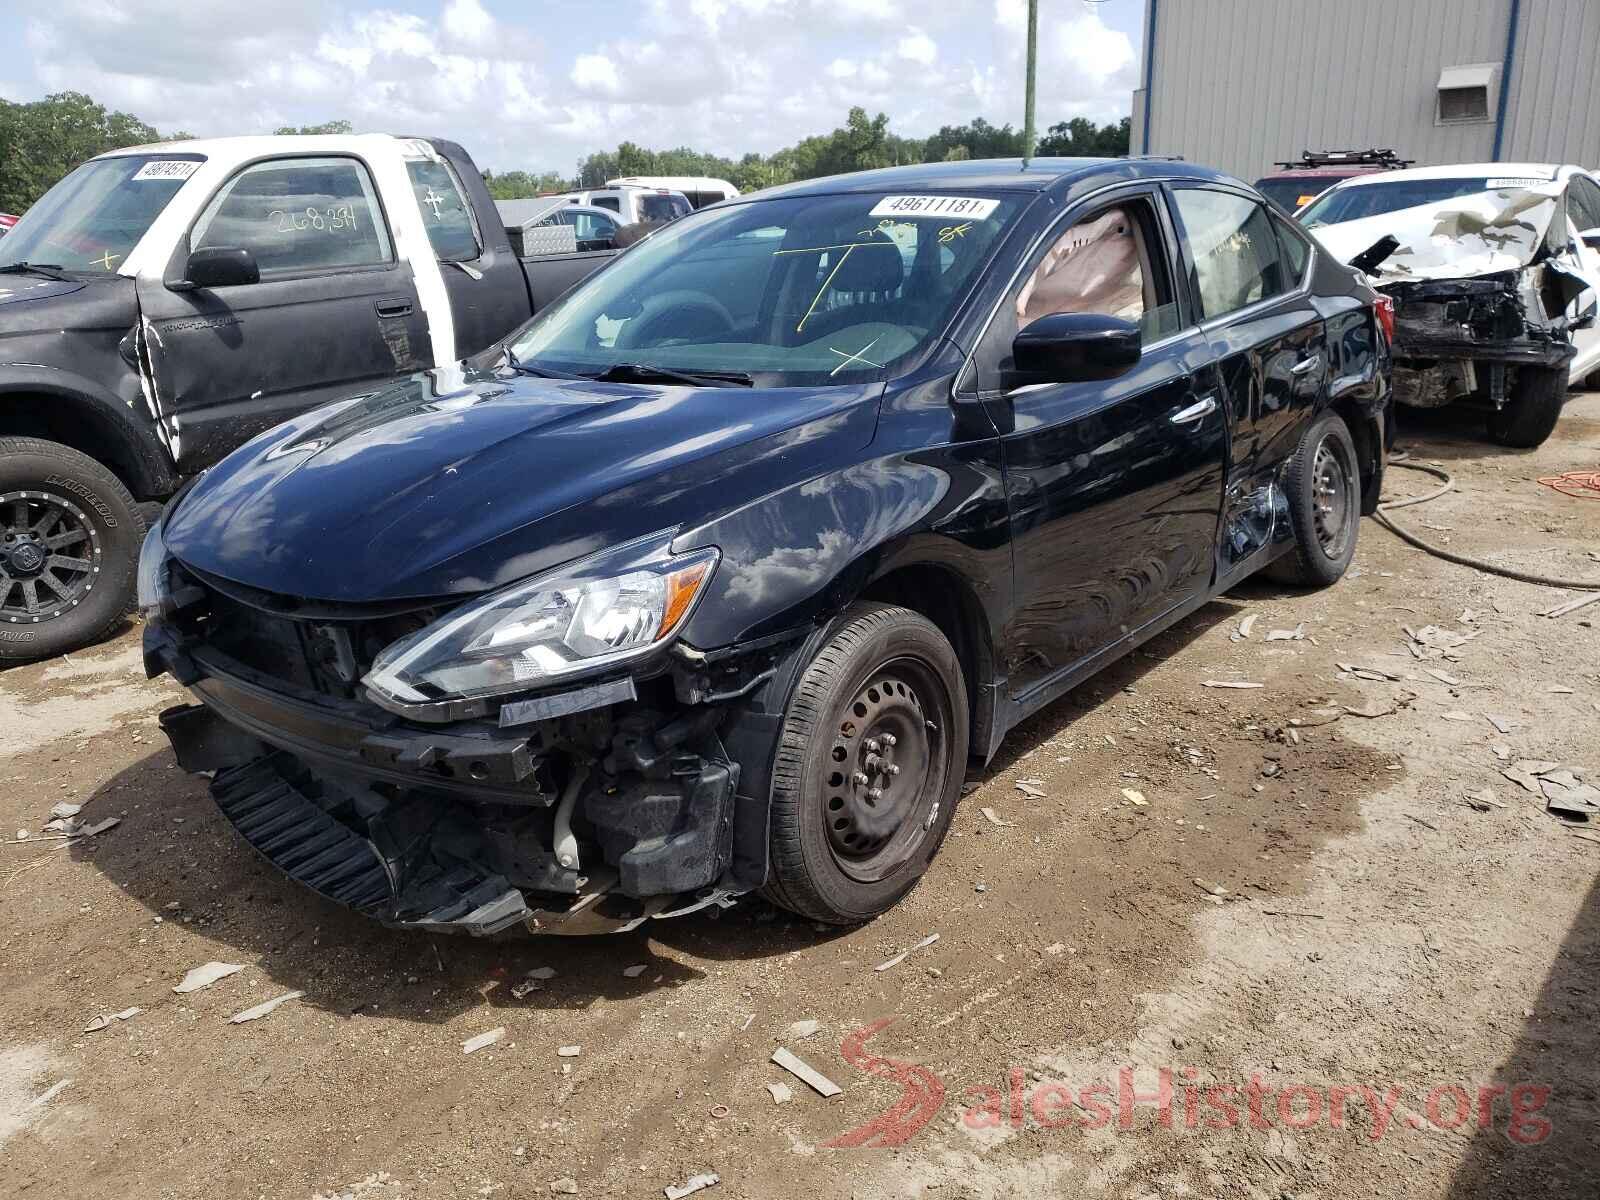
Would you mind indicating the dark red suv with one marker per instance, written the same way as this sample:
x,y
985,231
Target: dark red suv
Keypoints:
x,y
1299,183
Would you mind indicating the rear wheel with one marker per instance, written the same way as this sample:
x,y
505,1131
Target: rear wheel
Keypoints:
x,y
869,766
69,545
1530,415
1324,491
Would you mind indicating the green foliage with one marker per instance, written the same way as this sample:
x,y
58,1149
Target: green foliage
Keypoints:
x,y
326,127
515,185
1082,138
43,140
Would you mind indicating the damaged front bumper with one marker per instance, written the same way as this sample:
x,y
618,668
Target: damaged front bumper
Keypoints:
x,y
619,806
1459,339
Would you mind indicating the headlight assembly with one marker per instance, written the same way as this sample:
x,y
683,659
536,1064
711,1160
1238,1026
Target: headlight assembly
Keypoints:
x,y
585,617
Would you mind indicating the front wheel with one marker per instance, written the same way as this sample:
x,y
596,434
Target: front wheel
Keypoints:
x,y
1531,413
869,766
1323,485
69,544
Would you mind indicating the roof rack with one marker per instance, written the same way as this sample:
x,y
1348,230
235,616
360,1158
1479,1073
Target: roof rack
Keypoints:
x,y
1348,158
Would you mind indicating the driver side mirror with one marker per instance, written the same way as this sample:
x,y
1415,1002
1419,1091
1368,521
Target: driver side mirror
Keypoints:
x,y
1074,348
221,266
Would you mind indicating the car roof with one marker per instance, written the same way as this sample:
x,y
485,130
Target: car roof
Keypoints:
x,y
995,174
1462,171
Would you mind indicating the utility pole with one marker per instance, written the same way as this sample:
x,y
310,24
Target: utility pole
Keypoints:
x,y
1033,56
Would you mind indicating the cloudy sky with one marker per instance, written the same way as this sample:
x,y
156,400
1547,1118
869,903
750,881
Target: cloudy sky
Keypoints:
x,y
536,85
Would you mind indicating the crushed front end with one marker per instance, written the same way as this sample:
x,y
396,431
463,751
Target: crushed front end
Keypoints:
x,y
1466,339
587,806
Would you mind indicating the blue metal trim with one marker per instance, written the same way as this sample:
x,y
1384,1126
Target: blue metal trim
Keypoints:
x,y
1505,77
1150,69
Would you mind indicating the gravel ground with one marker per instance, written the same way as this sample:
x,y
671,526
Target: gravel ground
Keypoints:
x,y
1226,884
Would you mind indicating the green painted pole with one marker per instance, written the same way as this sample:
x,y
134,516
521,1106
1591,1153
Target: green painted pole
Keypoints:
x,y
1033,56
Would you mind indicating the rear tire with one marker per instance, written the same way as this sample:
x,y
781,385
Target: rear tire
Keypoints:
x,y
1323,484
1530,415
70,536
883,699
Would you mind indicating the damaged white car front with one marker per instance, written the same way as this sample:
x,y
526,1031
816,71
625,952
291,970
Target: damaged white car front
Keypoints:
x,y
1495,291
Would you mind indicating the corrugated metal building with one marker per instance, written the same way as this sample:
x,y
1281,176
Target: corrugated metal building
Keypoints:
x,y
1240,84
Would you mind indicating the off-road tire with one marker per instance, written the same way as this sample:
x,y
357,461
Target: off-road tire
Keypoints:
x,y
867,646
1530,415
1316,559
94,500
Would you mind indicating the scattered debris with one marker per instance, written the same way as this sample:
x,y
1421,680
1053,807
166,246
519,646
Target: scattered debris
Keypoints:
x,y
1568,797
49,1094
781,1093
569,1051
1214,889
994,819
528,986
1482,800
691,1185
747,1022
634,971
1501,725
542,973
266,1006
1420,821
1297,634
1568,606
1525,772
204,977
1371,709
64,810
1230,683
817,1081
1317,716
1370,674
565,1186
1033,789
1135,797
104,1020
473,1044
720,1112
922,945
1560,689
1455,714
1443,677
801,1030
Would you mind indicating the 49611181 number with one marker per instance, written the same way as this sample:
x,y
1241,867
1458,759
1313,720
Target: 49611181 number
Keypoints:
x,y
336,218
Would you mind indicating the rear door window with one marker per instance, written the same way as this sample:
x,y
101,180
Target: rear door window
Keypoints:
x,y
1296,252
1237,260
298,214
445,214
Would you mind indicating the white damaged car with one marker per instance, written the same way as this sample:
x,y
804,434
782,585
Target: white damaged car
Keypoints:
x,y
1494,269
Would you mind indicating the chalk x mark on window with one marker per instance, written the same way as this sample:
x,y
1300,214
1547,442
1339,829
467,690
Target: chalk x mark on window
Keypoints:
x,y
857,357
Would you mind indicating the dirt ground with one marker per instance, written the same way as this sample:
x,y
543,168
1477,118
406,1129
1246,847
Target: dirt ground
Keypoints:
x,y
1190,882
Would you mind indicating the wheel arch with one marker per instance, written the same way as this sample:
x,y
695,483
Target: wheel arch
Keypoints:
x,y
56,406
1367,431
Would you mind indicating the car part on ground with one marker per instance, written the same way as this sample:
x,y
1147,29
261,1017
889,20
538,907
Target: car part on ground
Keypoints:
x,y
717,578
1495,289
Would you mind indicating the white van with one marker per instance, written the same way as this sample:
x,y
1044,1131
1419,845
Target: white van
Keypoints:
x,y
700,190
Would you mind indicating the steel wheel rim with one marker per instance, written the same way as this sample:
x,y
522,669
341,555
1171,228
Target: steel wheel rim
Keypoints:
x,y
1332,497
885,769
50,557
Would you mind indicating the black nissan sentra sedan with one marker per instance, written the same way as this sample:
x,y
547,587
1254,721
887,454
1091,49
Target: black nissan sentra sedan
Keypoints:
x,y
717,576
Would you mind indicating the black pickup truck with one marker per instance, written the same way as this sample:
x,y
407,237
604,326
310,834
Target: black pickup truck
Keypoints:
x,y
161,305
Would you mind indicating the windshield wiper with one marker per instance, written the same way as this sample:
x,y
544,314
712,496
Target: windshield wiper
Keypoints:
x,y
644,373
523,368
48,270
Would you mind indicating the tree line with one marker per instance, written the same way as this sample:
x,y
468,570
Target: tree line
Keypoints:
x,y
40,141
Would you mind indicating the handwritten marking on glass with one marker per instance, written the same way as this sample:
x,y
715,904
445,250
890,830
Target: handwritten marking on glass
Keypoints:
x,y
105,260
850,359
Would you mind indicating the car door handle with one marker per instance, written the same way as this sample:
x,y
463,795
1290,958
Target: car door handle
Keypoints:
x,y
1306,365
393,308
1196,411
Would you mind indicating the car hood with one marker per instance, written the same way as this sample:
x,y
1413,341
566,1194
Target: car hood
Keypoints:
x,y
457,481
1481,234
35,287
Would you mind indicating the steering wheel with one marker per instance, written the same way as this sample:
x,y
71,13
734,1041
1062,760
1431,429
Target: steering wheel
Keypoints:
x,y
679,313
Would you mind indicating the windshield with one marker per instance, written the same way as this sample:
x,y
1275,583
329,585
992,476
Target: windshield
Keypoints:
x,y
1291,192
93,218
798,291
1375,199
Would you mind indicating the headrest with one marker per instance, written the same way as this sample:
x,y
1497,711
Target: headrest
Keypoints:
x,y
872,265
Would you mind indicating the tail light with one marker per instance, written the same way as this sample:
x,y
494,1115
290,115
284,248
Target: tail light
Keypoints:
x,y
1383,307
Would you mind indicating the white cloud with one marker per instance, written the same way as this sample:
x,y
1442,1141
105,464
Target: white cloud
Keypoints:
x,y
539,92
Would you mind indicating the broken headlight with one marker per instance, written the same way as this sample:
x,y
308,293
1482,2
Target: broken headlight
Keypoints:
x,y
589,615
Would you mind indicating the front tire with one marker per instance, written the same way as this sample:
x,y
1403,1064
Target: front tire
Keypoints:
x,y
69,546
1323,484
869,766
1530,415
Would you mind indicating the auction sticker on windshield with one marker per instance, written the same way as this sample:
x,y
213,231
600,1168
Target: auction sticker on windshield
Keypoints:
x,y
167,168
935,206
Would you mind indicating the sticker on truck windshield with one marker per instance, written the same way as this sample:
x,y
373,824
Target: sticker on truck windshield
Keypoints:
x,y
934,206
1514,182
167,168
